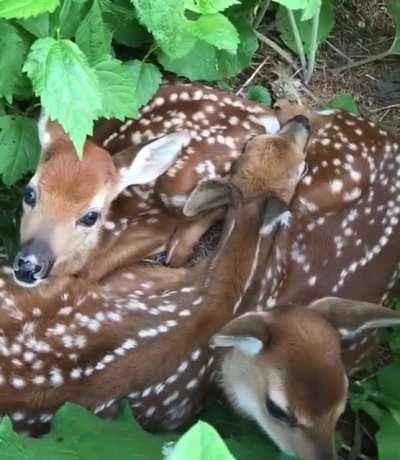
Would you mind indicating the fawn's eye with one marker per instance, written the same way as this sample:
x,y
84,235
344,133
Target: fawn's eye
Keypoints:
x,y
278,413
89,219
29,196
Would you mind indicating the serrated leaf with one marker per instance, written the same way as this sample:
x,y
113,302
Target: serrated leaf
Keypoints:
x,y
217,30
325,27
146,80
259,94
345,102
394,9
201,442
93,36
205,62
117,90
13,50
69,17
18,9
69,89
166,20
209,6
19,147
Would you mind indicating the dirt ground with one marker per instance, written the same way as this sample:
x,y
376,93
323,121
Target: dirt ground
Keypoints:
x,y
362,28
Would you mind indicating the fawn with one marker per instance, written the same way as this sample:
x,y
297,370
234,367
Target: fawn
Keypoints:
x,y
190,133
144,333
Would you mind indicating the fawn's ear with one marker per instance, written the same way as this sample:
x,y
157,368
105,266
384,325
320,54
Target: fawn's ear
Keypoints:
x,y
211,194
276,215
248,333
49,132
351,317
152,160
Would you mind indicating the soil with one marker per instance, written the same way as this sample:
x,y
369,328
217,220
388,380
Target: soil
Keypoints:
x,y
362,28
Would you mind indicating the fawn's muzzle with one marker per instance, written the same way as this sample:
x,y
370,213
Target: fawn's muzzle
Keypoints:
x,y
33,262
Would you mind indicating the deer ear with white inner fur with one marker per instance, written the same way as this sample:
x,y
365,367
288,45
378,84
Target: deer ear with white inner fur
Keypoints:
x,y
154,159
351,317
210,194
276,215
247,333
49,131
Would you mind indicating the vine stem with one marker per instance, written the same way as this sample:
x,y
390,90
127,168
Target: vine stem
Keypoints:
x,y
314,45
284,54
373,58
297,38
261,13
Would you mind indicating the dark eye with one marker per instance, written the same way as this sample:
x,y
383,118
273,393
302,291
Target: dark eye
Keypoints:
x,y
89,219
29,196
278,412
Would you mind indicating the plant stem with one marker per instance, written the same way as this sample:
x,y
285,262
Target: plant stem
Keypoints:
x,y
297,38
314,45
284,54
261,13
375,57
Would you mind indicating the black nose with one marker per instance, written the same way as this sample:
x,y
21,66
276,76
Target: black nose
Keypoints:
x,y
304,121
33,262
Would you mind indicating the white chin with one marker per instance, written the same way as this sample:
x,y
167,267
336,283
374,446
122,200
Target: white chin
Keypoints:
x,y
26,285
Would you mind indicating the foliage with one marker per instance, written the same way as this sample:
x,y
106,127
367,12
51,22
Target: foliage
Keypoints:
x,y
78,434
259,94
344,102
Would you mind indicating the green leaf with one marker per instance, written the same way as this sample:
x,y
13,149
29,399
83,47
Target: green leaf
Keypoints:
x,y
326,24
345,102
205,62
309,7
19,147
217,30
201,442
388,438
260,94
166,20
388,379
209,6
117,90
38,26
69,89
93,36
13,50
146,80
25,8
69,18
394,9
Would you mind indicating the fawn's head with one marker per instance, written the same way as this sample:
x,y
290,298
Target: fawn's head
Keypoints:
x,y
283,368
270,165
66,202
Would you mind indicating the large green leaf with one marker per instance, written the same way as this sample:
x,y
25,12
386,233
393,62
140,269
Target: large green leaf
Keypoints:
x,y
78,435
93,36
388,438
217,30
68,88
394,9
13,49
26,8
19,147
209,6
39,26
205,62
201,442
117,89
325,27
165,19
146,80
